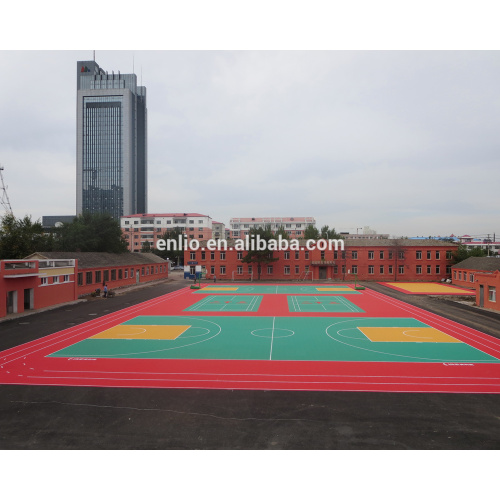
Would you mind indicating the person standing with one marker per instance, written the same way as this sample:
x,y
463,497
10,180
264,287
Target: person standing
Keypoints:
x,y
215,278
105,290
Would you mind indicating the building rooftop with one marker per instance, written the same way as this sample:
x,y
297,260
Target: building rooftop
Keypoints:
x,y
87,260
177,214
479,264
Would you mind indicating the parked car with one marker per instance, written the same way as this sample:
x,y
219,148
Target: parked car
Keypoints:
x,y
178,268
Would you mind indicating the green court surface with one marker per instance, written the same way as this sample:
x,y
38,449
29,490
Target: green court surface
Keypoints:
x,y
278,289
276,338
232,303
321,304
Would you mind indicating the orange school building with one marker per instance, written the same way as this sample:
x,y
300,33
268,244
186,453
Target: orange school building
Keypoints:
x,y
52,278
374,260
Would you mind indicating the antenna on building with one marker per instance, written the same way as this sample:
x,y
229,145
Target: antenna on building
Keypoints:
x,y
4,198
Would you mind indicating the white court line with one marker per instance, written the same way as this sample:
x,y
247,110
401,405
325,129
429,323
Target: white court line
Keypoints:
x,y
221,374
443,322
296,382
272,340
69,333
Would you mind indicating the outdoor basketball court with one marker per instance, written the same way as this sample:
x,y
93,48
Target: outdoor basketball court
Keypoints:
x,y
293,337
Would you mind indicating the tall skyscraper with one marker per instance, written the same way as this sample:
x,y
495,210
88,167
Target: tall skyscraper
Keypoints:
x,y
111,156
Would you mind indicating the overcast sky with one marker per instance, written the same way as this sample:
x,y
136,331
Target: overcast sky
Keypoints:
x,y
406,142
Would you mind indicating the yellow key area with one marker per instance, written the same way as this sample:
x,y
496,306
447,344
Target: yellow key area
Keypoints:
x,y
151,332
406,334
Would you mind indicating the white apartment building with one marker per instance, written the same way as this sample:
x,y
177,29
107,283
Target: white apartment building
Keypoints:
x,y
141,228
294,226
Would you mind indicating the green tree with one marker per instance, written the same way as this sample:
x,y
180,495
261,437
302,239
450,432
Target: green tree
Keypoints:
x,y
282,232
311,233
22,237
463,253
146,247
329,234
260,257
175,256
91,233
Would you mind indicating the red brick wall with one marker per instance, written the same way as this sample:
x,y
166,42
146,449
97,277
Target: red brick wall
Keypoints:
x,y
329,265
147,272
487,281
43,295
462,277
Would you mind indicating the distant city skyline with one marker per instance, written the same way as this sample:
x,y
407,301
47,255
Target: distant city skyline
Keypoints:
x,y
402,141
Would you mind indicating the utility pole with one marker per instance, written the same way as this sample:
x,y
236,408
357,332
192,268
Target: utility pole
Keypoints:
x,y
4,198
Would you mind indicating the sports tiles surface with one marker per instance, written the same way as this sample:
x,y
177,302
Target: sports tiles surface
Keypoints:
x,y
428,288
265,337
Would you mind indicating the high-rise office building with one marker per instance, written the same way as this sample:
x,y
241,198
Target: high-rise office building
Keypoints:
x,y
111,154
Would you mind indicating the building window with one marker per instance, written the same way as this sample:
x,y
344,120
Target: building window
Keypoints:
x,y
287,269
438,254
419,254
306,255
203,255
381,254
370,254
212,255
88,278
113,274
391,270
459,275
120,274
55,279
438,269
239,255
371,269
297,269
269,269
287,255
449,254
381,269
239,270
401,269
465,275
297,256
44,281
223,269
335,269
126,273
492,293
391,254
223,256
471,277
401,254
354,270
354,254
212,269
429,255
419,269
429,269
80,279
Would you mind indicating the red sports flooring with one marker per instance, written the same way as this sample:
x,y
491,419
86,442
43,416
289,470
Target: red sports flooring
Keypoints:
x,y
32,363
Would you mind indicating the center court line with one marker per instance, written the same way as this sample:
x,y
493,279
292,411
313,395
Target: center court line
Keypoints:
x,y
272,339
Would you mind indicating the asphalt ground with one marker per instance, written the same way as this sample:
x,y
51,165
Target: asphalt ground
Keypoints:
x,y
87,418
